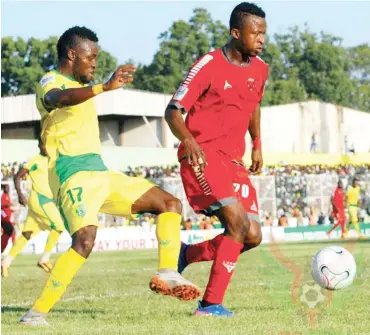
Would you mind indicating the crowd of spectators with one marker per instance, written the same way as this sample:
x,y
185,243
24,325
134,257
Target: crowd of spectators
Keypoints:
x,y
294,189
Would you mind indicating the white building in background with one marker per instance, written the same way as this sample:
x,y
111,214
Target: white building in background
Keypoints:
x,y
133,118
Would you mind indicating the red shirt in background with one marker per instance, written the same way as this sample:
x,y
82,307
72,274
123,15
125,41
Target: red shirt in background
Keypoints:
x,y
6,211
338,199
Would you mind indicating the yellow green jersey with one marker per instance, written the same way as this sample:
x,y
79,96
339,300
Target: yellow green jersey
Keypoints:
x,y
70,134
353,195
38,171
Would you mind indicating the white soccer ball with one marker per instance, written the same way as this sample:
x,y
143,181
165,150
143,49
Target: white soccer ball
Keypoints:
x,y
333,268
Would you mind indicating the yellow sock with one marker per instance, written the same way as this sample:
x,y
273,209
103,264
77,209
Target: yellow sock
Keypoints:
x,y
18,246
63,272
355,225
168,236
52,240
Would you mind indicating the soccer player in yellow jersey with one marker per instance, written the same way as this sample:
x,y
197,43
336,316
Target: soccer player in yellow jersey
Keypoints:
x,y
353,200
42,212
80,181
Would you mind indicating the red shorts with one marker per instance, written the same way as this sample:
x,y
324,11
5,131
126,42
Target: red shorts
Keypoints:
x,y
223,183
339,213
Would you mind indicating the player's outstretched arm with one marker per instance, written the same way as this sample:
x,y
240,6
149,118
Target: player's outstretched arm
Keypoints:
x,y
57,98
255,132
193,151
17,182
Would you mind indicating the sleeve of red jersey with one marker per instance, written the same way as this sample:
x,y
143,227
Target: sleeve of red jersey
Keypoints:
x,y
195,84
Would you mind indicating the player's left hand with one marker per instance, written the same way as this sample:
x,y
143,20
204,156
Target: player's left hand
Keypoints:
x,y
122,76
257,162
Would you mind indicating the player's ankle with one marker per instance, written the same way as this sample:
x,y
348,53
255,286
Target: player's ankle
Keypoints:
x,y
205,303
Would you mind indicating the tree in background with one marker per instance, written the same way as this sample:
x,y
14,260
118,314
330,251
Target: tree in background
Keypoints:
x,y
303,65
180,47
23,63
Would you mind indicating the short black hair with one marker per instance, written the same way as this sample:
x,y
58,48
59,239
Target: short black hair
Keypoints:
x,y
241,10
68,39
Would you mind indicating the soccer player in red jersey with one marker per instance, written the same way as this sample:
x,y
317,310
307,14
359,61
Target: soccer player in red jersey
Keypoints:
x,y
221,95
338,202
6,213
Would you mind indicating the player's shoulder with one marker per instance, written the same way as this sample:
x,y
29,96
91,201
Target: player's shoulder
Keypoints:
x,y
261,62
206,60
48,78
53,78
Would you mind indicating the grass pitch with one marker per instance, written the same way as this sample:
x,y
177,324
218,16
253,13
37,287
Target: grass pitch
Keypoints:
x,y
270,292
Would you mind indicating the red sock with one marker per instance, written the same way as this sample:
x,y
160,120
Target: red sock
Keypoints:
x,y
202,252
342,223
4,241
227,254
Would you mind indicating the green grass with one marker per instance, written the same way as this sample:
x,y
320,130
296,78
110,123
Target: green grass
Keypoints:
x,y
110,295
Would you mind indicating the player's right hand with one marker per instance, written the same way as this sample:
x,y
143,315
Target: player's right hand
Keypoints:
x,y
194,154
22,200
122,76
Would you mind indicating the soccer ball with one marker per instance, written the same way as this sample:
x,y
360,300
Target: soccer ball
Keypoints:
x,y
333,268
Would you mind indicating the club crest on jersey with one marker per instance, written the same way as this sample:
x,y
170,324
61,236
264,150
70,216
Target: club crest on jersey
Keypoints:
x,y
251,84
47,79
229,266
180,93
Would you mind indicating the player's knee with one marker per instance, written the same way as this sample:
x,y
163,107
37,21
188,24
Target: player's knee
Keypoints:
x,y
253,240
237,222
83,241
27,234
84,246
171,204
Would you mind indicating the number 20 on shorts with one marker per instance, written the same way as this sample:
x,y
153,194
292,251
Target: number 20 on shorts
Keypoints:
x,y
242,189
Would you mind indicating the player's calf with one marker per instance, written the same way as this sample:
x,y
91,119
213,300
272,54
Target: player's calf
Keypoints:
x,y
167,280
228,249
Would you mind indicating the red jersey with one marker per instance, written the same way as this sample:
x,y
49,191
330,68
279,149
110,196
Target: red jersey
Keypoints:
x,y
338,198
220,98
6,212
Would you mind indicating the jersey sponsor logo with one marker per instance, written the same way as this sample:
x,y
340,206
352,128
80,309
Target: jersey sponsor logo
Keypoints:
x,y
180,93
196,68
50,78
227,85
229,266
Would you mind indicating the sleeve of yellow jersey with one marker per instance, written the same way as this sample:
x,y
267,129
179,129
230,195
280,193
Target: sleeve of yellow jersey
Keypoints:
x,y
48,82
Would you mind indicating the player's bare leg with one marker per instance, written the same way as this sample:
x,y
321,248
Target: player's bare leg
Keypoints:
x,y
62,274
44,262
8,231
17,247
206,251
167,281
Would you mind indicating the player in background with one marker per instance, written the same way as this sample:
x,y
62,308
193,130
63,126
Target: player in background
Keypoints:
x,y
353,201
338,202
80,181
221,96
42,212
6,214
